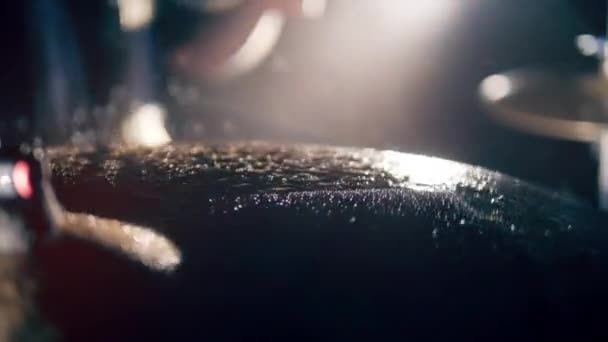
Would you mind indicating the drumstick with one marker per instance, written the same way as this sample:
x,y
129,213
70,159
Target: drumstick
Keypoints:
x,y
139,243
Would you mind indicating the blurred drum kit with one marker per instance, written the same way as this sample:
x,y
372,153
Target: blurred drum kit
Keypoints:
x,y
262,241
558,105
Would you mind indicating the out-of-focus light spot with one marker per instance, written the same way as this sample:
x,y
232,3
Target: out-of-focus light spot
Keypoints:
x,y
421,172
135,14
496,87
417,15
145,126
314,8
7,189
5,180
139,243
588,44
21,180
257,47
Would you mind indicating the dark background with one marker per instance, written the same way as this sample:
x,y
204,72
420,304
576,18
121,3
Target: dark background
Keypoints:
x,y
339,80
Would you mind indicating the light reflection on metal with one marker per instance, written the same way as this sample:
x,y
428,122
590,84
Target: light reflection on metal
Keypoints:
x,y
530,113
145,126
139,243
7,188
422,172
135,14
5,180
313,8
257,47
496,87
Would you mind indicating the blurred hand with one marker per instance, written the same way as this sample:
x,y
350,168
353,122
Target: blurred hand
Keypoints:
x,y
208,55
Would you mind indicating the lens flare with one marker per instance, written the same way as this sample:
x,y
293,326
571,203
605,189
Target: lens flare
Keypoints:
x,y
135,14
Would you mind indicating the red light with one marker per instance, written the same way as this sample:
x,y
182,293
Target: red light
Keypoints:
x,y
21,180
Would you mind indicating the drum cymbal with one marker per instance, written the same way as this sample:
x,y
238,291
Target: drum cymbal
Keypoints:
x,y
565,106
292,241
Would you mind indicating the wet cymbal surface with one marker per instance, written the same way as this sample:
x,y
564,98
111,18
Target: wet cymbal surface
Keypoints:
x,y
313,242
